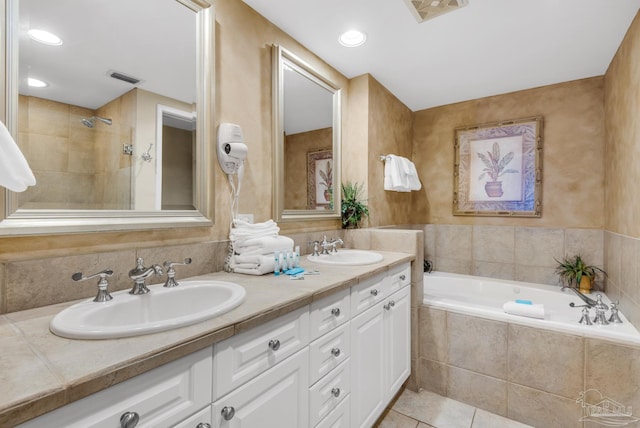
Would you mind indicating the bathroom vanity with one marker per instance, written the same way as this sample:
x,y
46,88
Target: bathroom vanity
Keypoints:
x,y
334,348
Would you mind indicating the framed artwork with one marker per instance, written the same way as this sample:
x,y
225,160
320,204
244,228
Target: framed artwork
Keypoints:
x,y
497,169
320,179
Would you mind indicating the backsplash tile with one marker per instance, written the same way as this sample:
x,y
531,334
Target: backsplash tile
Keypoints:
x,y
454,241
494,244
537,246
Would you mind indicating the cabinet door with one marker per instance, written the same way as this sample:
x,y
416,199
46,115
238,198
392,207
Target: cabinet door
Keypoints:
x,y
367,367
276,398
397,324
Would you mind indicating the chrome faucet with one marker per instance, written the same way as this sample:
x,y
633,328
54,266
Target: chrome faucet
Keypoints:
x,y
103,285
326,245
140,273
171,272
316,248
589,301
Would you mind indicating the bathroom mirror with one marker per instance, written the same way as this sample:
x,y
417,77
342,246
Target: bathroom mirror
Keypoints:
x,y
307,139
120,136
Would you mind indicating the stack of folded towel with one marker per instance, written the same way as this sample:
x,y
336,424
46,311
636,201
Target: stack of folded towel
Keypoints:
x,y
254,246
400,174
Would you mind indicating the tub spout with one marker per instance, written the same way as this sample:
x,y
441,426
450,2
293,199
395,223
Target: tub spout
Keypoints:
x,y
589,301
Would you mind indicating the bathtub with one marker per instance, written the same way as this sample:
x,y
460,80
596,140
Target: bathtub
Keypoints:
x,y
484,297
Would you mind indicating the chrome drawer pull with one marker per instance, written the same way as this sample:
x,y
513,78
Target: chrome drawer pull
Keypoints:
x,y
389,305
403,277
129,420
374,292
335,392
335,312
335,352
274,344
228,412
203,425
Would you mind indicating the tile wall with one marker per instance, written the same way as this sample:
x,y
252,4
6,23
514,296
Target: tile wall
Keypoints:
x,y
622,254
504,368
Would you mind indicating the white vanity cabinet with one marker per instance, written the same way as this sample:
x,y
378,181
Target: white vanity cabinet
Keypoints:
x,y
162,397
380,347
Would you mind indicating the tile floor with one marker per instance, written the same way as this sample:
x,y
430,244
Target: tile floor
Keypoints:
x,y
428,410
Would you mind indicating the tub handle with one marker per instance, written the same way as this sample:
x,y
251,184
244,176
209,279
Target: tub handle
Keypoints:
x,y
374,292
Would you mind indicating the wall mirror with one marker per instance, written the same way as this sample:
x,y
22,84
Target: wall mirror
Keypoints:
x,y
118,131
307,138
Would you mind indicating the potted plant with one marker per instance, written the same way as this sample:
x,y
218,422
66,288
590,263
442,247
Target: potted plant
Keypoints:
x,y
495,168
573,270
353,209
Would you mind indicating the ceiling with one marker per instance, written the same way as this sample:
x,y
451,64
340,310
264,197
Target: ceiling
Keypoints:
x,y
486,48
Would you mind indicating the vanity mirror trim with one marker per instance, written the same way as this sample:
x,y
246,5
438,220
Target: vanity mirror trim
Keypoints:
x,y
281,58
21,222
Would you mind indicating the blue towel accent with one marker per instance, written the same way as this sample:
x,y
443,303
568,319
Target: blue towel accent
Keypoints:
x,y
524,302
294,271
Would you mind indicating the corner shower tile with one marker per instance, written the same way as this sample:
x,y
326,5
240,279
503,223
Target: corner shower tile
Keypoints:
x,y
453,266
433,376
613,370
484,392
454,242
628,266
538,275
477,344
588,243
202,255
541,409
41,282
494,244
434,409
546,360
433,333
494,270
612,256
538,246
429,241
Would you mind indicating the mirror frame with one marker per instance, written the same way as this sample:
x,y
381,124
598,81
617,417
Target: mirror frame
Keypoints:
x,y
21,222
282,57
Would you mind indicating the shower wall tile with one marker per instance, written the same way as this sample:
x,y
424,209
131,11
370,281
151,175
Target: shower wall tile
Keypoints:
x,y
433,333
629,266
494,270
494,244
538,246
454,241
612,255
484,392
536,274
433,376
528,405
429,241
453,265
588,243
488,339
546,360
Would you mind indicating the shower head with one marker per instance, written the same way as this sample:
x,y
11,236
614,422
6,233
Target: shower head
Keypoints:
x,y
90,123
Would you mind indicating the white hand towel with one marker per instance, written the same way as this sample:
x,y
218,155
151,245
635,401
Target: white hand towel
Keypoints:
x,y
258,270
531,311
413,181
260,263
394,174
15,173
264,245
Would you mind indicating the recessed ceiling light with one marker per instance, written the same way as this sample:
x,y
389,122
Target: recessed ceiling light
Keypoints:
x,y
35,83
45,37
352,38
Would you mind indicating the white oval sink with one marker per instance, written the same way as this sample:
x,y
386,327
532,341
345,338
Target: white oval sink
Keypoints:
x,y
346,257
161,309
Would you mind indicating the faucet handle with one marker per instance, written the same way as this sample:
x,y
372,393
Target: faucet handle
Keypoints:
x,y
103,285
171,272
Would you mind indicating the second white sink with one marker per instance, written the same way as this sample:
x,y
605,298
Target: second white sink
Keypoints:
x,y
346,257
161,309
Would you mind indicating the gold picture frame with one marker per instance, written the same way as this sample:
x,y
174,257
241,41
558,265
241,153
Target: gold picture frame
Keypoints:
x,y
497,169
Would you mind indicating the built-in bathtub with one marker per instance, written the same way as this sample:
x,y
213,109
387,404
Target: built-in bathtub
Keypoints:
x,y
484,297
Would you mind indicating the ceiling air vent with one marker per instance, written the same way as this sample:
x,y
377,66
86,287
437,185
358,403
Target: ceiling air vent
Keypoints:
x,y
124,77
427,9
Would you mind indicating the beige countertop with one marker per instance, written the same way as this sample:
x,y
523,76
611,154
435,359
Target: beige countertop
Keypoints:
x,y
40,372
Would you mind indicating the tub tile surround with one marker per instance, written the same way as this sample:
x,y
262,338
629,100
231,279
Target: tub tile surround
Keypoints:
x,y
622,255
545,370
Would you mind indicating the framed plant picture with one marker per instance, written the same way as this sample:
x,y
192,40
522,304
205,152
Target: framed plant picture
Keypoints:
x,y
497,169
320,179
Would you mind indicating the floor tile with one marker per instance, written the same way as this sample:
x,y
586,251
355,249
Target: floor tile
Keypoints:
x,y
394,419
434,409
484,419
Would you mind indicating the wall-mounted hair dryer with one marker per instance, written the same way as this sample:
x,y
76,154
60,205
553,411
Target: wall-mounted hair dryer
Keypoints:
x,y
231,148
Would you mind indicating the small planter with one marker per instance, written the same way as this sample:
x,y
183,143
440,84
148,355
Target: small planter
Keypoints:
x,y
585,285
493,189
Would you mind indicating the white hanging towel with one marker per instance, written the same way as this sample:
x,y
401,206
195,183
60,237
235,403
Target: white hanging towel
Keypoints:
x,y
15,173
400,174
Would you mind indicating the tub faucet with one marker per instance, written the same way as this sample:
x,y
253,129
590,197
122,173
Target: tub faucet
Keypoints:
x,y
140,273
589,301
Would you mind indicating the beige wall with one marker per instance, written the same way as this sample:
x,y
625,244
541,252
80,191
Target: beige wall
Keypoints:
x,y
296,147
573,153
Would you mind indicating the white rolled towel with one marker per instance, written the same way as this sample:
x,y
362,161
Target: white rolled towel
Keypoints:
x,y
535,310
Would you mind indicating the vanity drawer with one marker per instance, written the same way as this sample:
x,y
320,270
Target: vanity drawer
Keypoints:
x,y
329,312
326,394
340,417
241,358
399,277
328,352
368,293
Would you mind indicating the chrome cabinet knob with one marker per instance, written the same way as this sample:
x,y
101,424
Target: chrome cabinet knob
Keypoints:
x,y
389,305
335,392
228,412
403,277
129,420
335,312
374,292
274,344
203,425
335,352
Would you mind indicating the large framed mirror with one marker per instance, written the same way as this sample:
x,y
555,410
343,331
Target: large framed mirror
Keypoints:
x,y
307,140
115,119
